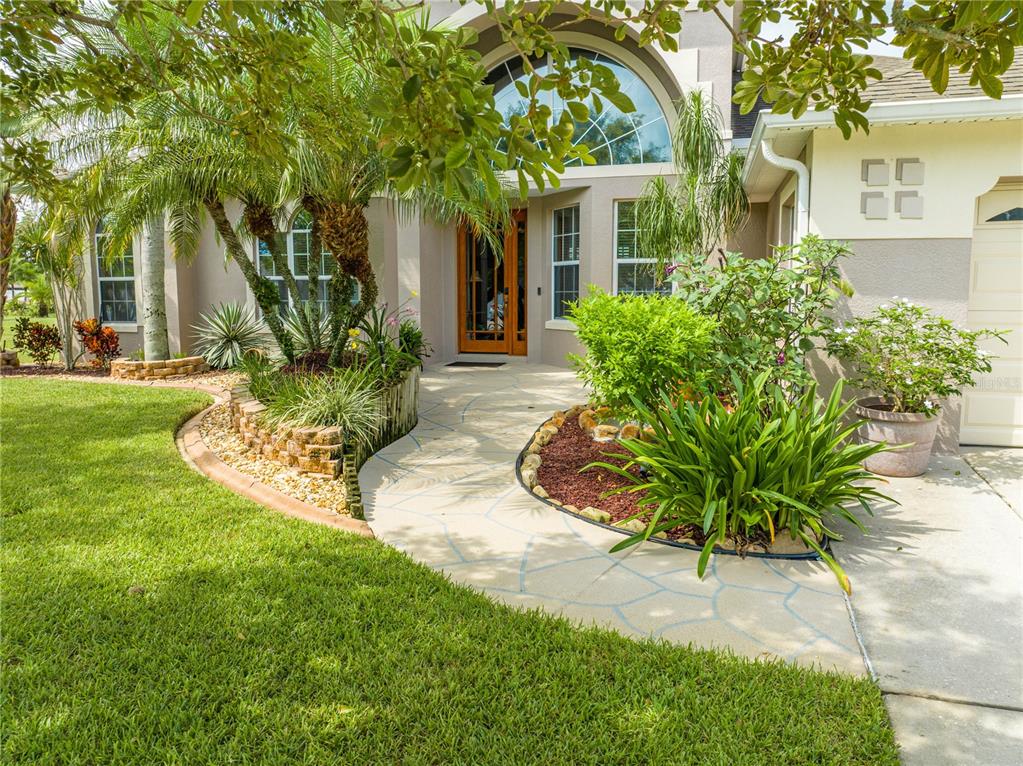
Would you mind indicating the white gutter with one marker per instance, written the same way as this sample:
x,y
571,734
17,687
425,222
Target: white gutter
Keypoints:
x,y
890,113
802,186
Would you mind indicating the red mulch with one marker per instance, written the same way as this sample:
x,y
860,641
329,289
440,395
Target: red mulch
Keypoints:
x,y
35,370
572,449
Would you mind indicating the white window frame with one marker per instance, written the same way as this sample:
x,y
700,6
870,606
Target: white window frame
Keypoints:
x,y
98,235
617,260
555,265
289,239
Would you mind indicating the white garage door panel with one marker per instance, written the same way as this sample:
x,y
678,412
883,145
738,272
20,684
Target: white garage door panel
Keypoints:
x,y
993,409
1000,275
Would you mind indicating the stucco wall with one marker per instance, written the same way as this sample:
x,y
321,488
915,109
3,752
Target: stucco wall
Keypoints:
x,y
751,240
961,162
932,272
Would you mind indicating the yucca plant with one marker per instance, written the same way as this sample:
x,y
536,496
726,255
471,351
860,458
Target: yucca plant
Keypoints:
x,y
765,465
346,398
227,334
309,327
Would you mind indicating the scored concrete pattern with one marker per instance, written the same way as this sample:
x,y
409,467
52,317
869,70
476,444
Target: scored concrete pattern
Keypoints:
x,y
447,494
940,607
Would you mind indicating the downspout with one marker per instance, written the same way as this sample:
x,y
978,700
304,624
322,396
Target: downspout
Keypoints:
x,y
802,186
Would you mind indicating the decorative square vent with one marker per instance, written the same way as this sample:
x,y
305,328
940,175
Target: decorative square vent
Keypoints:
x,y
909,171
874,205
874,172
909,204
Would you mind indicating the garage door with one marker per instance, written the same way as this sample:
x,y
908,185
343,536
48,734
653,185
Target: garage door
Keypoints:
x,y
993,409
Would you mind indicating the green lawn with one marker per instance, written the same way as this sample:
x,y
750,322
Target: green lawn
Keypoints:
x,y
151,616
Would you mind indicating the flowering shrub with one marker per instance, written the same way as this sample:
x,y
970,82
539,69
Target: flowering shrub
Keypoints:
x,y
911,357
768,310
100,341
40,341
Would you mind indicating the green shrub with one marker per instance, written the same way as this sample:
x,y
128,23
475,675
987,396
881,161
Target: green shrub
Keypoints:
x,y
910,357
768,465
411,340
638,346
227,334
768,310
346,398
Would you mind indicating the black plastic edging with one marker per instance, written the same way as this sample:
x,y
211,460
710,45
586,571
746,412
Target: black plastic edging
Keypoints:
x,y
808,556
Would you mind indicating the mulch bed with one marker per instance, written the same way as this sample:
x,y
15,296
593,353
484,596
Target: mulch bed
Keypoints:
x,y
35,370
561,474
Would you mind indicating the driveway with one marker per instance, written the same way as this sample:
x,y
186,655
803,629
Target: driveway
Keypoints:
x,y
447,494
939,604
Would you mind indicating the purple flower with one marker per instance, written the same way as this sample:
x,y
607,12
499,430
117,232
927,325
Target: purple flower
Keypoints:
x,y
392,320
780,359
670,269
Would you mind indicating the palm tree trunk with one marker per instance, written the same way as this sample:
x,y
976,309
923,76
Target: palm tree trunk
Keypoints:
x,y
345,232
261,223
154,298
8,223
262,288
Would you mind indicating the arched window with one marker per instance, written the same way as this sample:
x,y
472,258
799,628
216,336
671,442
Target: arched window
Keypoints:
x,y
297,244
613,137
115,277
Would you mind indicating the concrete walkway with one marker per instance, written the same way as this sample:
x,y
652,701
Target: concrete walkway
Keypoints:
x,y
447,495
939,603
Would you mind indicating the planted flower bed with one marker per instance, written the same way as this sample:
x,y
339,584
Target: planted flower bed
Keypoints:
x,y
328,451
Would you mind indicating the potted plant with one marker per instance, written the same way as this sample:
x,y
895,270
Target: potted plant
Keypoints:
x,y
912,360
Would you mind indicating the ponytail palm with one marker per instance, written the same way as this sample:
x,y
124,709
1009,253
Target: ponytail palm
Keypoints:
x,y
707,203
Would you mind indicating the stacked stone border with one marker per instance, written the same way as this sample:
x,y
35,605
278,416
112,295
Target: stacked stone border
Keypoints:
x,y
323,451
195,452
529,461
160,369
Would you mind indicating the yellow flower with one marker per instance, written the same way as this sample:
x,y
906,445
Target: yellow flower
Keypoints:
x,y
353,333
415,293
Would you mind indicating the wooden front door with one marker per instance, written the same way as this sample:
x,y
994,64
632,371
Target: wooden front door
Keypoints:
x,y
492,291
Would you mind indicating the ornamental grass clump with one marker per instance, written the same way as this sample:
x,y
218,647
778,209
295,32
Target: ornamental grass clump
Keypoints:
x,y
766,466
638,346
347,398
910,357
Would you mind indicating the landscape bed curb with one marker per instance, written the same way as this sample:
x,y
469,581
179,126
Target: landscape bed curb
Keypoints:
x,y
808,556
195,452
197,455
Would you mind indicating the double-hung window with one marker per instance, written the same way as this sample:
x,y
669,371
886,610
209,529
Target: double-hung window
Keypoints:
x,y
116,280
633,273
565,260
297,244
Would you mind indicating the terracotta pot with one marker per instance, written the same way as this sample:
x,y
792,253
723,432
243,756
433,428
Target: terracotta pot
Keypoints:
x,y
916,430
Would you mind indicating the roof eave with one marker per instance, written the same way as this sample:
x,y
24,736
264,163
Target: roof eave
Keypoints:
x,y
886,113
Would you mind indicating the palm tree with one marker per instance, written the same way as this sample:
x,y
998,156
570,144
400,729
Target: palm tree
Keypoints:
x,y
707,204
160,156
337,165
154,296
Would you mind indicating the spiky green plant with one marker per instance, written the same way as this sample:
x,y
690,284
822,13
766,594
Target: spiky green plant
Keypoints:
x,y
766,465
227,334
346,398
707,203
309,327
